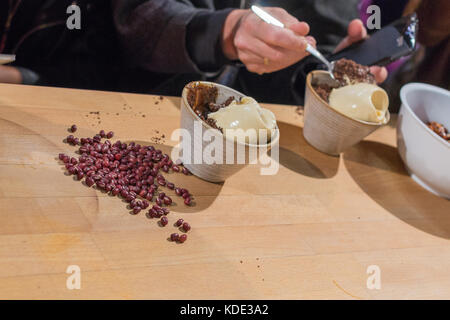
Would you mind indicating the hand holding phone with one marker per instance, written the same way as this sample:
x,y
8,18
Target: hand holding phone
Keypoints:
x,y
385,45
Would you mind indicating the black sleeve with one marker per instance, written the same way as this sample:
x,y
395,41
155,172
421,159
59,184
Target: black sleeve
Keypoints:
x,y
154,35
203,39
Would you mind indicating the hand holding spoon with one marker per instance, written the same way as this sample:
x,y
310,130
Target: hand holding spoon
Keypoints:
x,y
272,20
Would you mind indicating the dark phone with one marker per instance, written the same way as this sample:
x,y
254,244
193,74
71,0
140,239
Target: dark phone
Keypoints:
x,y
384,46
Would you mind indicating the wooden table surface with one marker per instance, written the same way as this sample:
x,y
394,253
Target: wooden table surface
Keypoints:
x,y
311,231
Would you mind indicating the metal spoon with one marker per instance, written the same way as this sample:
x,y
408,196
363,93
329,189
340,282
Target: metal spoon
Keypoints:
x,y
273,21
7,58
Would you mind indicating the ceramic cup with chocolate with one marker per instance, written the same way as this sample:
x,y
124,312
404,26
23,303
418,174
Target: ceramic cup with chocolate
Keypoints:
x,y
209,111
339,114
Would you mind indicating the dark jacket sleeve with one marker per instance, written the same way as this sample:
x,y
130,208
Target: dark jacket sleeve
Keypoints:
x,y
154,35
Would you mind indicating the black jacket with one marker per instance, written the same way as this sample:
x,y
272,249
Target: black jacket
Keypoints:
x,y
184,36
181,36
135,45
42,43
171,36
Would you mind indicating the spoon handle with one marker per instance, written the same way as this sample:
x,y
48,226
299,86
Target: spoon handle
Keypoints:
x,y
274,21
319,56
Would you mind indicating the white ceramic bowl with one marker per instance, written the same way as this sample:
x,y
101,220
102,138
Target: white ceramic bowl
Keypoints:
x,y
425,154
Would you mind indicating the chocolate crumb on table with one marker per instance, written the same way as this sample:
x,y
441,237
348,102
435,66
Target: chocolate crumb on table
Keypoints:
x,y
158,138
299,111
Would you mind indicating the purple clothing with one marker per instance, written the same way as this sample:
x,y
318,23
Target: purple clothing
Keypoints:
x,y
363,5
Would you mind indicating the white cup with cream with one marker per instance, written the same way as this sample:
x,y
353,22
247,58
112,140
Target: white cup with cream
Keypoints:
x,y
219,172
334,128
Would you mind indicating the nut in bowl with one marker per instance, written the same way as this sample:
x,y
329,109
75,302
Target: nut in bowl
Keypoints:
x,y
339,114
222,131
422,136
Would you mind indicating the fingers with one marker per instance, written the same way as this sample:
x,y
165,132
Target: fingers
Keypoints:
x,y
291,37
256,68
380,73
260,50
282,15
355,32
279,37
290,22
299,28
10,74
311,41
264,48
263,58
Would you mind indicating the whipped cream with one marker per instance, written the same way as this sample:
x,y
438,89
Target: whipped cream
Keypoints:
x,y
361,101
246,114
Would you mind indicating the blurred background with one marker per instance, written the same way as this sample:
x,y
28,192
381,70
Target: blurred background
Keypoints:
x,y
112,51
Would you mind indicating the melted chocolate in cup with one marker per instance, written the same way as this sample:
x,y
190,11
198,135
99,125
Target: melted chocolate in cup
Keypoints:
x,y
345,72
203,100
198,100
349,72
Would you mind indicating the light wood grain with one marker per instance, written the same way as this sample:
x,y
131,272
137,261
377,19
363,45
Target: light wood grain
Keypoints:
x,y
308,232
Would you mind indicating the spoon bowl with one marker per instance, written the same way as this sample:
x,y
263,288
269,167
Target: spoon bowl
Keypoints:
x,y
316,53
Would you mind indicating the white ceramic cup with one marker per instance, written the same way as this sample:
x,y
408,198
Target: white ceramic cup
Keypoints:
x,y
217,172
328,130
425,154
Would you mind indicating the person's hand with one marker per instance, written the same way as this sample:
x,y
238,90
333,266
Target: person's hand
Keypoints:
x,y
262,47
10,74
356,32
